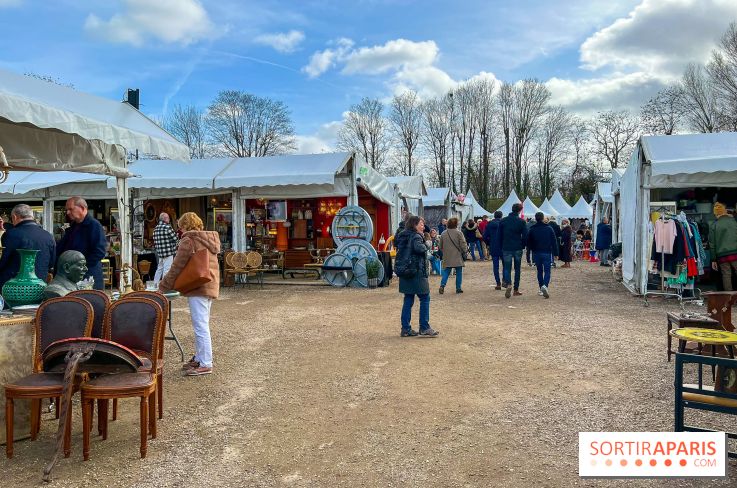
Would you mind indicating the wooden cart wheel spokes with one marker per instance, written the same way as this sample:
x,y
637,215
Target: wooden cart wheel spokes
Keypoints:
x,y
253,259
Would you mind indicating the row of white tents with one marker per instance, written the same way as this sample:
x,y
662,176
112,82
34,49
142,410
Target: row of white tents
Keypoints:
x,y
556,206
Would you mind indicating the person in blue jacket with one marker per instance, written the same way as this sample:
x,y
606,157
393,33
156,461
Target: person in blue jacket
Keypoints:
x,y
603,241
541,241
25,234
493,242
512,237
85,235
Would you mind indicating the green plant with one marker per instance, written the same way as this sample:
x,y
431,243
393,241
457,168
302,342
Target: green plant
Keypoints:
x,y
372,268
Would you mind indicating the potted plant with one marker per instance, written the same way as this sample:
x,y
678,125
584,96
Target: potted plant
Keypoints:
x,y
373,266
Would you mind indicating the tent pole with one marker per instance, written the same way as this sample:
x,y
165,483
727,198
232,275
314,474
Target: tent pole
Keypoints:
x,y
239,222
126,242
353,189
48,216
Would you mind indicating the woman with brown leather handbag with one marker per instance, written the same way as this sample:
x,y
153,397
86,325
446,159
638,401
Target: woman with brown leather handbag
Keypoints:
x,y
195,274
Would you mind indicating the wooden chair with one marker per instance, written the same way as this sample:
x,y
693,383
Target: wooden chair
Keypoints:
x,y
57,318
164,303
137,324
243,264
100,303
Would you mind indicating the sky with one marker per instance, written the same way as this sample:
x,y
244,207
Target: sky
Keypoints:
x,y
319,57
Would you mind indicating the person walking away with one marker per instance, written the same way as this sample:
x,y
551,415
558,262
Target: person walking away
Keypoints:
x,y
723,244
483,223
541,241
453,246
566,243
434,252
469,232
556,228
529,222
165,245
411,268
513,236
443,225
195,239
491,237
86,235
603,241
25,234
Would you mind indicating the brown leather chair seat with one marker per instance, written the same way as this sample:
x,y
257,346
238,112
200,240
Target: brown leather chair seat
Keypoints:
x,y
121,382
39,380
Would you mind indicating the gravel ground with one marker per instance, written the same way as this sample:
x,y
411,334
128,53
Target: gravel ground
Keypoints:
x,y
314,387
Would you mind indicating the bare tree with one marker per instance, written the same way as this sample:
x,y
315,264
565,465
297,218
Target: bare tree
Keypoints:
x,y
614,134
506,108
245,125
530,99
580,142
552,144
723,72
479,178
465,131
436,136
406,122
699,100
187,125
662,113
365,131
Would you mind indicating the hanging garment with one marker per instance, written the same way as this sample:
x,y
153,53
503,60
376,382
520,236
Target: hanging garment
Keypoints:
x,y
665,235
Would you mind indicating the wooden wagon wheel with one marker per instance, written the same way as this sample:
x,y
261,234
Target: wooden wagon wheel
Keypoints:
x,y
254,259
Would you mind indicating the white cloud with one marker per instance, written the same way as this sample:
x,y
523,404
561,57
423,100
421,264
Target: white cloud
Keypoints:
x,y
170,21
398,53
660,36
321,61
284,42
324,140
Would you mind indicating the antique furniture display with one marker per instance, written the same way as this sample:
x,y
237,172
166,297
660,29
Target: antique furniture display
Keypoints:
x,y
684,320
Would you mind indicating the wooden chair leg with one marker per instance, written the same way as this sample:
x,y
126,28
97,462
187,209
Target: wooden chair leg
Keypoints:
x,y
68,434
9,413
144,425
152,414
104,415
160,392
56,404
115,409
35,418
86,427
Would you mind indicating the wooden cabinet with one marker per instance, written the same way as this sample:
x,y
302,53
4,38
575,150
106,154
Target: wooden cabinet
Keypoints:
x,y
299,229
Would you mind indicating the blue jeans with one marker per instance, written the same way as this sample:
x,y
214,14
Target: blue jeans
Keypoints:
x,y
409,301
476,245
459,276
435,263
543,262
507,258
495,266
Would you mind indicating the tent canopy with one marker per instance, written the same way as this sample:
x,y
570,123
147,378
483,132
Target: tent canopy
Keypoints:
x,y
409,186
604,191
581,210
476,209
436,197
617,174
48,127
559,203
506,207
548,209
691,159
529,209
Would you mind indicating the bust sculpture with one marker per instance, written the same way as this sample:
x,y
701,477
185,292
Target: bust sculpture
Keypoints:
x,y
72,267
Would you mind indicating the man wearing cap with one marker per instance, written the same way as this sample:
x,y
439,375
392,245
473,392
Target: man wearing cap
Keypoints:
x,y
723,244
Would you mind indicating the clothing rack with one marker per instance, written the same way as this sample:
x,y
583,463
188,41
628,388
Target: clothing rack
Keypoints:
x,y
665,292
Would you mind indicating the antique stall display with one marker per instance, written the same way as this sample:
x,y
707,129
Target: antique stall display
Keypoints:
x,y
352,230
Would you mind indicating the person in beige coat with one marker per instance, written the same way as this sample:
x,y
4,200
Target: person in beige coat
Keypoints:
x,y
454,248
194,239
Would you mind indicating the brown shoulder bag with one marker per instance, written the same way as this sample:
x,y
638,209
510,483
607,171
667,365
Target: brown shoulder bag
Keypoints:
x,y
195,273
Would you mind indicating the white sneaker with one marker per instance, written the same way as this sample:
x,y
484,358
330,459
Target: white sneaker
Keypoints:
x,y
544,291
540,292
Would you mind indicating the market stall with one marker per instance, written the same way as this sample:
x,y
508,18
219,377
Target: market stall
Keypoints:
x,y
548,209
477,211
437,205
617,174
409,193
669,175
506,207
529,209
559,203
603,204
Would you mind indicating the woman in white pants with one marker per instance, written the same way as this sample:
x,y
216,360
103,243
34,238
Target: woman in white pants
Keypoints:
x,y
194,239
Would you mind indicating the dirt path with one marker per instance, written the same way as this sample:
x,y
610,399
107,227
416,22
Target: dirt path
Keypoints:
x,y
314,387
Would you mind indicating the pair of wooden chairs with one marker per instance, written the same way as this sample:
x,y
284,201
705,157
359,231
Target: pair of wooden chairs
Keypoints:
x,y
138,322
244,264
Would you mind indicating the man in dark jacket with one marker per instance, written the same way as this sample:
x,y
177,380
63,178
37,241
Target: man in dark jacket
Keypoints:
x,y
25,234
543,244
513,237
603,241
85,235
556,228
493,242
442,226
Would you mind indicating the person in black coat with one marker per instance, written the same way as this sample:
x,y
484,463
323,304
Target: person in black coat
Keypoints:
x,y
493,242
86,235
412,252
603,241
25,234
566,244
556,228
542,243
513,238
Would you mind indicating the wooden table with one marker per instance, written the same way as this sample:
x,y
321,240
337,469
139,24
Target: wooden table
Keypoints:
x,y
710,337
688,321
16,361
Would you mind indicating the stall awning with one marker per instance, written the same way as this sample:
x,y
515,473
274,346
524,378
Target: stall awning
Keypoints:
x,y
48,127
604,191
409,186
581,210
529,209
548,209
171,174
506,207
559,203
436,197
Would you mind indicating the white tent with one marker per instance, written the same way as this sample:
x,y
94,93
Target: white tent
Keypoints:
x,y
548,209
529,209
437,197
678,161
506,207
409,192
603,201
477,211
47,127
559,203
581,210
617,174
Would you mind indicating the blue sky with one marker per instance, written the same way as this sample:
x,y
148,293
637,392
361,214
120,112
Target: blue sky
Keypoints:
x,y
319,57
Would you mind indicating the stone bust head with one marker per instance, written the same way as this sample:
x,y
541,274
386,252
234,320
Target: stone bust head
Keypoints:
x,y
71,268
